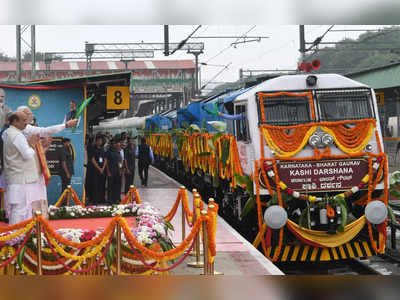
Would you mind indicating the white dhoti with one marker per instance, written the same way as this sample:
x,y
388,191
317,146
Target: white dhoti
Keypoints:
x,y
36,192
19,198
16,197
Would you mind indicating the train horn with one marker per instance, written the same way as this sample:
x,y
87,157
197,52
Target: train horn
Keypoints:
x,y
315,64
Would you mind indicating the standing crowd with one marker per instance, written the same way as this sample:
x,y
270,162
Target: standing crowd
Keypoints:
x,y
110,168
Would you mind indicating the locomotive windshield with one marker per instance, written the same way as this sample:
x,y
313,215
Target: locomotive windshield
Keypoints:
x,y
344,104
287,110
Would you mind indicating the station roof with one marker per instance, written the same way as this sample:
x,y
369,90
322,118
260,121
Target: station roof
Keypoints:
x,y
101,65
380,77
78,81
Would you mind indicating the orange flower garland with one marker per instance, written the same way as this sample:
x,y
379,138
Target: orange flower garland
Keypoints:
x,y
81,245
15,226
306,94
193,149
349,140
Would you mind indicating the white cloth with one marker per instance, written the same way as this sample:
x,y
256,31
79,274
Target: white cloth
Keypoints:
x,y
19,159
42,131
18,198
23,147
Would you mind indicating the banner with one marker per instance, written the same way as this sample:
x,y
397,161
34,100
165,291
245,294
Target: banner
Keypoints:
x,y
50,108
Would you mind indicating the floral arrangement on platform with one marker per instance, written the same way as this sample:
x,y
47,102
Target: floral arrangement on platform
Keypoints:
x,y
151,229
101,211
151,226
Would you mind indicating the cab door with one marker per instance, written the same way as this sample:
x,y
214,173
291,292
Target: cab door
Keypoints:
x,y
243,141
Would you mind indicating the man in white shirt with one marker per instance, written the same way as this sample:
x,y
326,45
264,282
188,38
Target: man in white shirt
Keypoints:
x,y
40,191
20,167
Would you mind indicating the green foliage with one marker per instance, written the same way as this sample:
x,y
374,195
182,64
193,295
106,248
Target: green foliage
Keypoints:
x,y
391,215
111,253
225,152
204,154
20,258
251,202
370,50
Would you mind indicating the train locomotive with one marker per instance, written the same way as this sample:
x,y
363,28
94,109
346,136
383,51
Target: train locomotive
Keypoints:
x,y
300,169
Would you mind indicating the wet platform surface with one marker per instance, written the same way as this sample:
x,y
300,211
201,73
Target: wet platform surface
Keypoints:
x,y
235,255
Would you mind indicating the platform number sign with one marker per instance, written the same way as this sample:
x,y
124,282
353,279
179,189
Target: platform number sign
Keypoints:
x,y
118,97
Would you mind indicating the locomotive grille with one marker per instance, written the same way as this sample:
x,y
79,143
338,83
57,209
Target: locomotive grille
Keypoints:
x,y
336,105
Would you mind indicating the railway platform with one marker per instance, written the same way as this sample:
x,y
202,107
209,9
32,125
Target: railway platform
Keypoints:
x,y
235,255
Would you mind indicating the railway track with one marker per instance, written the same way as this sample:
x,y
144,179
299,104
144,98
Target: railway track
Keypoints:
x,y
345,267
386,264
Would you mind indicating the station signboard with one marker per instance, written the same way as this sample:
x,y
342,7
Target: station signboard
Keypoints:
x,y
322,176
117,97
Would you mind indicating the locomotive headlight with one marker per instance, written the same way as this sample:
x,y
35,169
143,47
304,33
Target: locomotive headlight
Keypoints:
x,y
368,148
314,140
376,212
327,139
275,216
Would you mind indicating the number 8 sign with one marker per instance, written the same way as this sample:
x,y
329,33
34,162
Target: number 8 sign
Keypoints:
x,y
118,97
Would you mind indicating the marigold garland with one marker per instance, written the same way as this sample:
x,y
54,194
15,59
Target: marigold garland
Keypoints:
x,y
196,153
271,95
174,208
168,255
349,140
16,226
17,233
81,245
94,251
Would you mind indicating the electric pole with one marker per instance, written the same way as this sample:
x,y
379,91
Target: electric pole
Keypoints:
x,y
166,40
33,52
302,42
18,37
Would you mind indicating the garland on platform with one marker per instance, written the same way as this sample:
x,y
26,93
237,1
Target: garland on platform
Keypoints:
x,y
67,251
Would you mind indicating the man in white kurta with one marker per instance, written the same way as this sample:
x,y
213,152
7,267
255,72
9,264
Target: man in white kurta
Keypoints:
x,y
20,171
40,189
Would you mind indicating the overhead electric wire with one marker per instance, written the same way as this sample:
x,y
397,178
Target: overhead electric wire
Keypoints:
x,y
223,50
216,75
183,42
319,39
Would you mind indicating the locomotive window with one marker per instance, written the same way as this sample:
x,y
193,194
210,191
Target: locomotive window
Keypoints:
x,y
344,105
287,110
241,128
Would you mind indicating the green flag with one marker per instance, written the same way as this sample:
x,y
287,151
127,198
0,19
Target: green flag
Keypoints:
x,y
81,108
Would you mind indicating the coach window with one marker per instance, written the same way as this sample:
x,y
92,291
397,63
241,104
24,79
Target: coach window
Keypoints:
x,y
241,125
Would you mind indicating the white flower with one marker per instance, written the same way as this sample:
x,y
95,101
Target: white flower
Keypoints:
x,y
296,194
159,228
355,189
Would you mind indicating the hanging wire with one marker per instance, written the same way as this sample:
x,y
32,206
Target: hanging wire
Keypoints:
x,y
223,50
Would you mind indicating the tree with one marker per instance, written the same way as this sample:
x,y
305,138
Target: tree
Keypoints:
x,y
369,50
27,56
4,57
